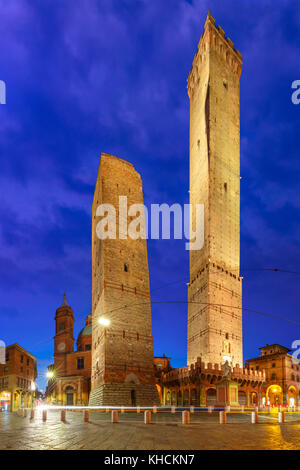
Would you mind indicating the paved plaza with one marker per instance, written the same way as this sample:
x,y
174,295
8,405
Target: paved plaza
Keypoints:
x,y
165,433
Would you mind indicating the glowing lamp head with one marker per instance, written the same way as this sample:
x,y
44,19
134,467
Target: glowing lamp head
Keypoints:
x,y
33,387
104,321
50,374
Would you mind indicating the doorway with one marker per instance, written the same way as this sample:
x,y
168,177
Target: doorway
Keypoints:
x,y
133,398
70,399
70,396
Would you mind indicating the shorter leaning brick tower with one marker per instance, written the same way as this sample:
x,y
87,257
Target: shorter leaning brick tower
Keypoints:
x,y
122,350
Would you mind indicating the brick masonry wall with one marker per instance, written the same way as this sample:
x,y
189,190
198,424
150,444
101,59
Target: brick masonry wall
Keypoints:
x,y
122,352
215,331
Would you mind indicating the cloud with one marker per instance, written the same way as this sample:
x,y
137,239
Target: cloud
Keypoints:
x,y
90,76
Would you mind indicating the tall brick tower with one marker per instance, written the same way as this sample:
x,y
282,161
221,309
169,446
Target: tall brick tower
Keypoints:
x,y
63,339
122,352
215,323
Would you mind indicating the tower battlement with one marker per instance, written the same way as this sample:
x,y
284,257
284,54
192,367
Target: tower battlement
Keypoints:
x,y
210,370
214,41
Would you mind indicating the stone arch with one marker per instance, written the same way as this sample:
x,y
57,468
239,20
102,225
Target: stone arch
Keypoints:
x,y
253,398
242,398
211,396
186,398
194,397
292,395
274,395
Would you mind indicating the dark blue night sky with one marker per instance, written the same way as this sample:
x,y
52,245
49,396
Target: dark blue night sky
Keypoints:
x,y
92,76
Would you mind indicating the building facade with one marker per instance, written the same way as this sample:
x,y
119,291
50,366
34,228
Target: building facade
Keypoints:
x,y
282,386
69,383
17,378
122,352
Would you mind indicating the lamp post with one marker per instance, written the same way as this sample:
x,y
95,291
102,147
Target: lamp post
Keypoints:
x,y
33,389
50,376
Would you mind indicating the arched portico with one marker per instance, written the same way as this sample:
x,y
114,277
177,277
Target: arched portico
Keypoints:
x,y
274,395
292,396
211,397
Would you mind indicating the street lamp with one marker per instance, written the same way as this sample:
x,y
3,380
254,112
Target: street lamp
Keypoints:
x,y
33,389
50,374
104,321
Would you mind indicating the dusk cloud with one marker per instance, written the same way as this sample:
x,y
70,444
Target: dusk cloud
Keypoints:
x,y
91,76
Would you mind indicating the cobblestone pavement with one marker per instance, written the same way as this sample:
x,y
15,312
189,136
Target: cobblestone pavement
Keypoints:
x,y
132,434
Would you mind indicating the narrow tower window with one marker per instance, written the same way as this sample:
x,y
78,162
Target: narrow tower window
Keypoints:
x,y
126,267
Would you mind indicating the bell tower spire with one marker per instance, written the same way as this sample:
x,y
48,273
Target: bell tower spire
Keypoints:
x,y
63,339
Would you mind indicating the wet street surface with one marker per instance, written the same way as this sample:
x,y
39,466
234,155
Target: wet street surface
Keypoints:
x,y
164,433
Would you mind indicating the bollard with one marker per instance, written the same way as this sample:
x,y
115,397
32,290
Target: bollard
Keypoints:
x,y
192,409
172,409
222,416
63,416
281,417
154,409
210,409
32,414
44,416
122,409
114,416
147,417
254,417
185,417
138,409
86,416
25,414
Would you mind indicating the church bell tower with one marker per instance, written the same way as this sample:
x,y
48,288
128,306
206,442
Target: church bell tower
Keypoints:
x,y
63,339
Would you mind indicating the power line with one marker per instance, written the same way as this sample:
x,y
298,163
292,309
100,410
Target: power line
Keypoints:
x,y
203,303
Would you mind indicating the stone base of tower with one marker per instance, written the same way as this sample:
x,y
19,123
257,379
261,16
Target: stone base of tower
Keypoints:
x,y
118,394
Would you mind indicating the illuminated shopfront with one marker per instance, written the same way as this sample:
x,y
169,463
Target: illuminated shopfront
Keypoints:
x,y
5,398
